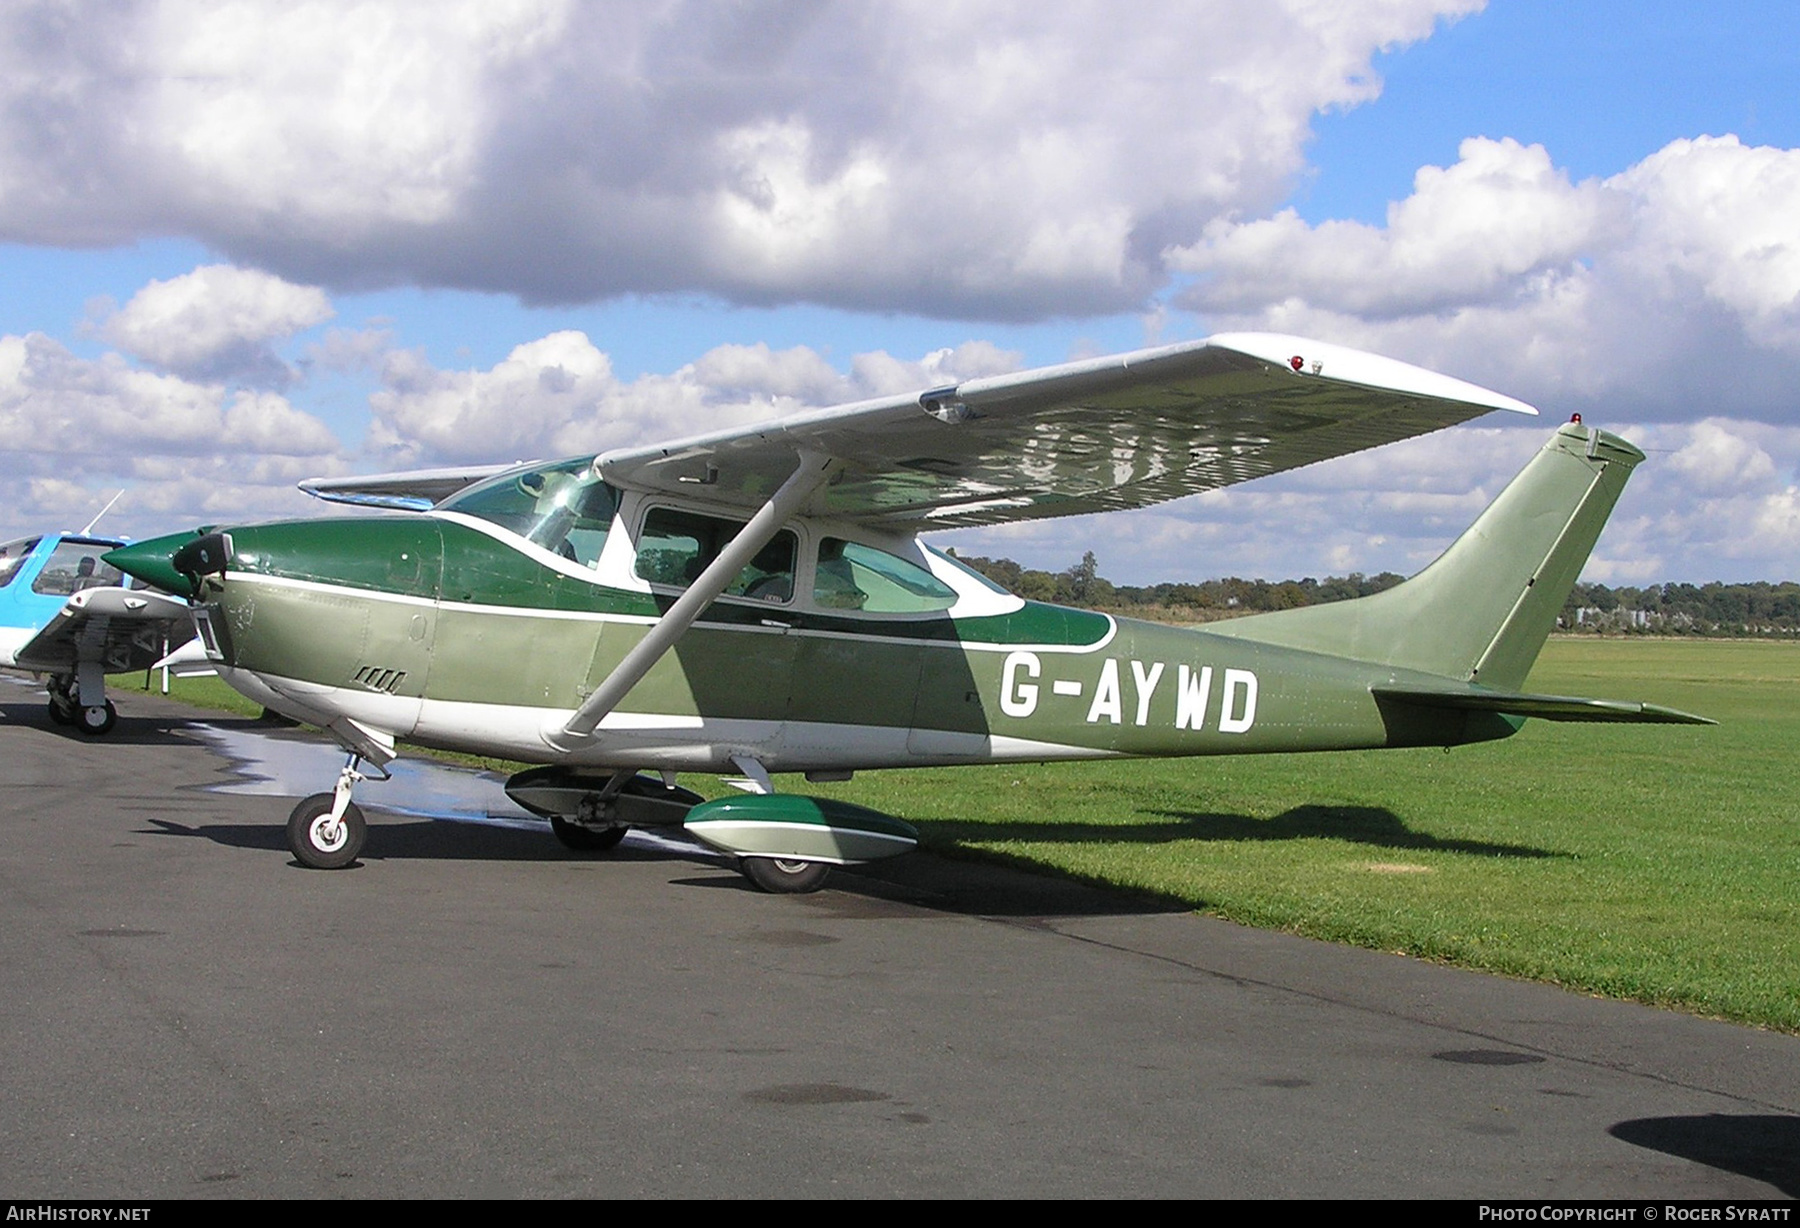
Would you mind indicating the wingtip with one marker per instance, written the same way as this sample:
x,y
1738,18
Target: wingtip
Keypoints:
x,y
1324,359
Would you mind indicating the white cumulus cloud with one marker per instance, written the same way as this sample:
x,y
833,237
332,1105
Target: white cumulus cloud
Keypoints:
x,y
558,395
80,429
1669,291
216,322
994,158
54,403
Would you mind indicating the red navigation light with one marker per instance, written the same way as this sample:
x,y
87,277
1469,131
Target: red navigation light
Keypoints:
x,y
1296,362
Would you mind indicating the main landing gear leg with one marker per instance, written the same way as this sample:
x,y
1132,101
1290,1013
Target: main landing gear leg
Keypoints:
x,y
587,833
82,703
326,831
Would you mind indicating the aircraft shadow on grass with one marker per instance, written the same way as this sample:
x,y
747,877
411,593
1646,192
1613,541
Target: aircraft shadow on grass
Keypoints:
x,y
1371,825
1765,1147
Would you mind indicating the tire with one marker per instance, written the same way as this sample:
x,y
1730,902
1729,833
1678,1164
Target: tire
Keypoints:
x,y
60,715
308,844
581,839
96,720
779,876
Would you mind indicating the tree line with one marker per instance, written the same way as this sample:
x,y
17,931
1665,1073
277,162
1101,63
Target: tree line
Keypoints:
x,y
1758,608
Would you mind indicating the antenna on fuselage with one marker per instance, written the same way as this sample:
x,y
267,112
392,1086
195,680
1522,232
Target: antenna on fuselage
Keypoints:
x,y
96,520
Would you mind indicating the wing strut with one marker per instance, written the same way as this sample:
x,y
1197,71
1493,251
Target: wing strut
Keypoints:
x,y
808,476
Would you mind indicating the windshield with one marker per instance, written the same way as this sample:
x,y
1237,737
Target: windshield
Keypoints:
x,y
11,555
970,572
563,507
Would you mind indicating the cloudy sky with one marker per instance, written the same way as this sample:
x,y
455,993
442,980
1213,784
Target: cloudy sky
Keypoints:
x,y
243,244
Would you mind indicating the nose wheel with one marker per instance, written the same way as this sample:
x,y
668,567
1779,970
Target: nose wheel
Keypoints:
x,y
322,841
326,831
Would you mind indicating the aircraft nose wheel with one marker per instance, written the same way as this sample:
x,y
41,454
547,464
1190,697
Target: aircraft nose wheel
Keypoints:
x,y
95,719
320,843
779,876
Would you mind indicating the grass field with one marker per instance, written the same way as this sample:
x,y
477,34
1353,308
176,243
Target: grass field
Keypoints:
x,y
1656,863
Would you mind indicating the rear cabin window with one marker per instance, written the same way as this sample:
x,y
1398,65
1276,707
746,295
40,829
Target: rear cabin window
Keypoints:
x,y
562,507
851,576
676,546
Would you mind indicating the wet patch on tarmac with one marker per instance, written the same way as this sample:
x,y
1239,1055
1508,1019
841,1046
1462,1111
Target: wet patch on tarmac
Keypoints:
x,y
281,763
271,764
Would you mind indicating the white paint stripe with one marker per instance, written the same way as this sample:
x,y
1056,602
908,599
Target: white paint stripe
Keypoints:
x,y
459,607
729,825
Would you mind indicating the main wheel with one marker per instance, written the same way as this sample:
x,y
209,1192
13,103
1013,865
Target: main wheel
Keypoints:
x,y
780,876
314,841
585,839
60,713
96,719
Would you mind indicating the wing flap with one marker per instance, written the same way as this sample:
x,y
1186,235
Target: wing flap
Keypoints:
x,y
1100,435
1543,707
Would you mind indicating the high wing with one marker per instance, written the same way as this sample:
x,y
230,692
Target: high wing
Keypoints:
x,y
122,629
413,491
1100,435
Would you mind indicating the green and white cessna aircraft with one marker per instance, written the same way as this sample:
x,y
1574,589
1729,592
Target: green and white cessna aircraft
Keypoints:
x,y
758,601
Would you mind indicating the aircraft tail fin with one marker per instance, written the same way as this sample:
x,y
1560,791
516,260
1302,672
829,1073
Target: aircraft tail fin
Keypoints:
x,y
1482,610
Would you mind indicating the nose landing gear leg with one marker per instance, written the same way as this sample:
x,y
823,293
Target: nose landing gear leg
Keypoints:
x,y
326,831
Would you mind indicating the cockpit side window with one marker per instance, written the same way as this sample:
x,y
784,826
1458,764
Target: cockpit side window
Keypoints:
x,y
11,555
676,546
73,566
852,576
562,507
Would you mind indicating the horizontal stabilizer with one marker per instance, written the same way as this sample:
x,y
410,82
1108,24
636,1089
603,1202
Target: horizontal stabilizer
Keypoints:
x,y
1544,707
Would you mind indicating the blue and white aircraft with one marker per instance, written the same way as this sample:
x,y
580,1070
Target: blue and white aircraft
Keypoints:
x,y
66,614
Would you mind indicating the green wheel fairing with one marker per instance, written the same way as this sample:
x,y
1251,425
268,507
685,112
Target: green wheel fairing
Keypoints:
x,y
808,828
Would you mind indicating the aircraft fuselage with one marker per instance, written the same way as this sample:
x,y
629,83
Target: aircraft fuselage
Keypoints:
x,y
456,633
